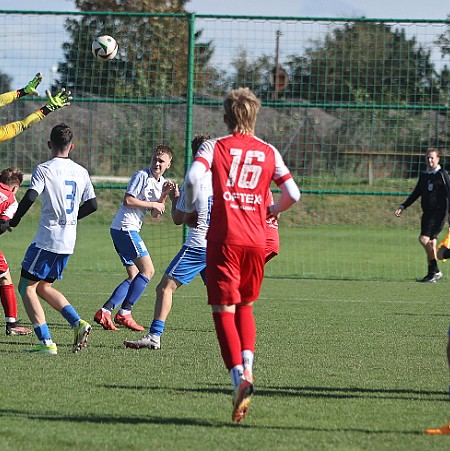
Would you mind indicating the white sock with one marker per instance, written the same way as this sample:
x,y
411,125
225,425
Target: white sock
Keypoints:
x,y
236,374
247,358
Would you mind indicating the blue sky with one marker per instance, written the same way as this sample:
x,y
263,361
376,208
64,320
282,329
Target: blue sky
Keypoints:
x,y
12,61
397,9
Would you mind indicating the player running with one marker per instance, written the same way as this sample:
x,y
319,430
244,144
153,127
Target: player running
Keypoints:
x,y
242,167
190,260
147,190
67,196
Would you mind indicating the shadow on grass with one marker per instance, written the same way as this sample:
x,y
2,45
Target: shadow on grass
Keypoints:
x,y
174,421
307,392
355,392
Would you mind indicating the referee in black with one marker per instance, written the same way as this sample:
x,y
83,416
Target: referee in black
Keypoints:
x,y
433,187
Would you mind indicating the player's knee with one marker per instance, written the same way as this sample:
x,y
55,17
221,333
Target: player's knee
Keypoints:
x,y
149,273
41,290
162,288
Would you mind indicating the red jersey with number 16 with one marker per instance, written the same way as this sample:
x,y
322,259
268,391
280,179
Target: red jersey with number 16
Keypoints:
x,y
242,168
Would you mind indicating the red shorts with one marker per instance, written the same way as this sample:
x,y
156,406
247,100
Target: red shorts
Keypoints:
x,y
4,268
234,273
272,242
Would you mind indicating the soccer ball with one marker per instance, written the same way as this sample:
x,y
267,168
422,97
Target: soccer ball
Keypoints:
x,y
104,47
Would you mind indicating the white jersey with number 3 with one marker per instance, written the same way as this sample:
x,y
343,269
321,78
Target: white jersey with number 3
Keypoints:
x,y
63,185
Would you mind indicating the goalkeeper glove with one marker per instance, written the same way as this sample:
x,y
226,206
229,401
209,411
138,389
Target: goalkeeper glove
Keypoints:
x,y
60,100
30,88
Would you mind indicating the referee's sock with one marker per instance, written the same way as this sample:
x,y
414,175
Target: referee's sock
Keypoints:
x,y
433,267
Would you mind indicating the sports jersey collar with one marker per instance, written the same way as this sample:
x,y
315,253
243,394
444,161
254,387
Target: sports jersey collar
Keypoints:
x,y
243,135
150,174
433,171
5,187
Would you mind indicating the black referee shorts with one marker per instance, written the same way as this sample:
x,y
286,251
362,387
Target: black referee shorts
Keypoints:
x,y
432,223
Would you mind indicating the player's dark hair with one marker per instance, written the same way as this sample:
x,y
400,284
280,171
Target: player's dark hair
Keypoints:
x,y
11,176
61,136
197,141
161,148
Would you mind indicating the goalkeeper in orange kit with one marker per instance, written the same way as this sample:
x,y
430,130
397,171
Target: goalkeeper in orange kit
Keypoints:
x,y
61,99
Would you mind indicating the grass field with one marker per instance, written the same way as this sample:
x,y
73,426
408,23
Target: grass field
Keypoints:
x,y
323,237
340,365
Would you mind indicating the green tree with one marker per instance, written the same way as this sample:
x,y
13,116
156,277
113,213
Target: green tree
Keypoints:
x,y
251,73
135,89
5,82
146,61
365,59
443,41
153,50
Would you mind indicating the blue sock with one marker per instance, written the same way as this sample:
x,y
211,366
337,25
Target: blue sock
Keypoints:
x,y
137,287
118,295
157,327
42,332
70,315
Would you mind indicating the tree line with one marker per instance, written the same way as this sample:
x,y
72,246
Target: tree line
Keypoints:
x,y
357,62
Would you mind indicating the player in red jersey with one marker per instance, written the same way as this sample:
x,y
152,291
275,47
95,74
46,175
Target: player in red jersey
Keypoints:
x,y
10,181
242,167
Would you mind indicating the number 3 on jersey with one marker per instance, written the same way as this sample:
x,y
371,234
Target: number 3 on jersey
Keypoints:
x,y
71,195
250,173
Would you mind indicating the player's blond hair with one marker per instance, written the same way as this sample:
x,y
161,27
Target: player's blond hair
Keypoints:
x,y
241,108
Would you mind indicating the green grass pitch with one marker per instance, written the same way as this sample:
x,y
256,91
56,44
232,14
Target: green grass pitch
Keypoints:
x,y
340,365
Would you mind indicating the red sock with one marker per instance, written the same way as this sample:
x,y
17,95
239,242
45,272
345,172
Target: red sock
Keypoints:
x,y
227,334
9,301
246,326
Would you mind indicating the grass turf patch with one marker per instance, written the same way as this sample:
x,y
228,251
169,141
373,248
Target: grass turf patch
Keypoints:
x,y
339,365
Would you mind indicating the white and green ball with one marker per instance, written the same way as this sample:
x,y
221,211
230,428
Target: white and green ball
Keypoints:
x,y
104,47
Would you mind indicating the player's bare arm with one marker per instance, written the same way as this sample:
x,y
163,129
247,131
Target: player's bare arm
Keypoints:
x,y
133,202
167,189
174,193
191,219
289,195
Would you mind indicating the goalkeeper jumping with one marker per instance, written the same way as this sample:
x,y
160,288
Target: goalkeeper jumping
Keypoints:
x,y
61,99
